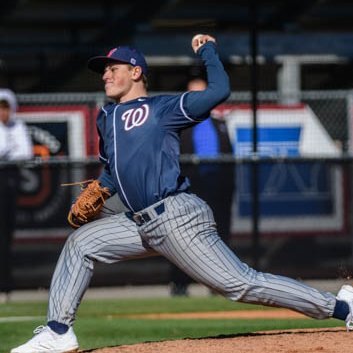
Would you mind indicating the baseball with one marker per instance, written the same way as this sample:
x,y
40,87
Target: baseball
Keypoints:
x,y
196,39
196,42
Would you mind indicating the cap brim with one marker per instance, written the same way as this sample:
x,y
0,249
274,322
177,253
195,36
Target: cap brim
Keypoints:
x,y
98,63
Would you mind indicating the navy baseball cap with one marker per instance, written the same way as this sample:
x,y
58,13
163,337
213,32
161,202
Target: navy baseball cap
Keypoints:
x,y
123,54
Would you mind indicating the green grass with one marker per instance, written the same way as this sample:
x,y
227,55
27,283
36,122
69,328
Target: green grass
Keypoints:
x,y
105,323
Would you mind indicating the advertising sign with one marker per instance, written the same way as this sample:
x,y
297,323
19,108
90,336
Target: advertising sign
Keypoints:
x,y
295,198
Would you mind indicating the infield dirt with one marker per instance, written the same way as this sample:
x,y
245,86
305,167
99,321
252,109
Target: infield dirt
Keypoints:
x,y
327,340
332,340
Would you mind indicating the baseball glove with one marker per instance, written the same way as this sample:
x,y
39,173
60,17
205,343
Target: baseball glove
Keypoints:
x,y
88,204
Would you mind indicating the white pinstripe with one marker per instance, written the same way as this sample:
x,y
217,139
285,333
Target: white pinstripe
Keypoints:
x,y
185,234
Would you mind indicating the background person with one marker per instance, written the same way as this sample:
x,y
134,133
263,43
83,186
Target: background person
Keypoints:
x,y
15,144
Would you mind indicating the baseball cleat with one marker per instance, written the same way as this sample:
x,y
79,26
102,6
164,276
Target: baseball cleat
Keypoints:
x,y
346,294
46,340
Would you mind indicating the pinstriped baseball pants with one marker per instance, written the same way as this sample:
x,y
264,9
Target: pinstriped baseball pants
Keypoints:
x,y
186,235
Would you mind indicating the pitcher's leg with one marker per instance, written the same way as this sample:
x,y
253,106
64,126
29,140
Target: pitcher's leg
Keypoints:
x,y
192,244
106,240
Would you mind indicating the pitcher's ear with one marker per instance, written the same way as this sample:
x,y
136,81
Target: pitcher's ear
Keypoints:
x,y
136,72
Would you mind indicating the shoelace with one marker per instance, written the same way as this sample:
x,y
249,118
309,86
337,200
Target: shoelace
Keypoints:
x,y
349,318
349,323
39,329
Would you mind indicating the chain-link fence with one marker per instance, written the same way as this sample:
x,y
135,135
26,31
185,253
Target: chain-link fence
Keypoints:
x,y
330,107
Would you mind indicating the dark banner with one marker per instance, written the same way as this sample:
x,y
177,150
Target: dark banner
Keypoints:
x,y
42,203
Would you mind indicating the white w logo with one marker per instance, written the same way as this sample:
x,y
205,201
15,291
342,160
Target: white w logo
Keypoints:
x,y
135,117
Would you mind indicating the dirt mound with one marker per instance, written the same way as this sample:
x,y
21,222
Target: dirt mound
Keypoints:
x,y
329,340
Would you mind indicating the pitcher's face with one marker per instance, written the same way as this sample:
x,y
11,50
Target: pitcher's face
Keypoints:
x,y
120,79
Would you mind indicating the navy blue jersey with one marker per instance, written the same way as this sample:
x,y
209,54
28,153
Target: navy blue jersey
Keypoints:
x,y
139,139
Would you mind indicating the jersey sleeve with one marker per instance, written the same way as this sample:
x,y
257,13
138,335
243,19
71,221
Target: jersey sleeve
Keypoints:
x,y
100,124
192,107
106,180
105,177
198,104
172,113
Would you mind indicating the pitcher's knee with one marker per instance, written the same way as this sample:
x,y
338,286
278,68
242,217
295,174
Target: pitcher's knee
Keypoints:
x,y
232,290
77,242
239,284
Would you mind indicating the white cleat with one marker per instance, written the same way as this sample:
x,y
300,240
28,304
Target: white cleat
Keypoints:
x,y
346,294
46,340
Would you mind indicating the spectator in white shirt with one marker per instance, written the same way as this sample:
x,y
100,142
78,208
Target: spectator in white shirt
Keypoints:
x,y
15,144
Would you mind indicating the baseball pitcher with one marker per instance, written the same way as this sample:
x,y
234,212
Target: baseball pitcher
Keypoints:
x,y
139,148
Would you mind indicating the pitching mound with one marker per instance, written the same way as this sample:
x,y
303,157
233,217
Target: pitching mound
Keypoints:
x,y
332,340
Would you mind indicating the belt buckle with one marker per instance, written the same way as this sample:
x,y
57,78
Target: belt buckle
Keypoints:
x,y
138,219
141,219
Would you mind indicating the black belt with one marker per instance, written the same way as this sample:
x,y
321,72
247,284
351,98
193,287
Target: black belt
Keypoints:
x,y
146,215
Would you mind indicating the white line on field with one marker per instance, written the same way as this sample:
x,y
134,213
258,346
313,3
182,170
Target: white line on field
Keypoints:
x,y
20,318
